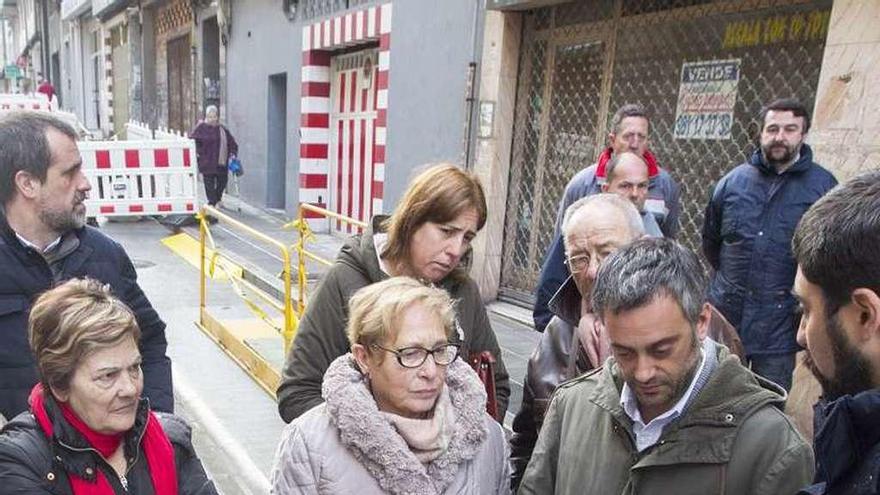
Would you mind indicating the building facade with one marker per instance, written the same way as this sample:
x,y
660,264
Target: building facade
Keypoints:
x,y
336,102
554,72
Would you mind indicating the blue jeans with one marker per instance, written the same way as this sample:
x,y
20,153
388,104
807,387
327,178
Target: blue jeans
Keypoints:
x,y
777,368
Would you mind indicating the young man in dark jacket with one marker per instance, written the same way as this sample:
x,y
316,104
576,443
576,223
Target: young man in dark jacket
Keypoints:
x,y
44,240
629,132
838,284
747,238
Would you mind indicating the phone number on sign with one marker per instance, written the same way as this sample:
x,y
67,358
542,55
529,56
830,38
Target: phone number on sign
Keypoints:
x,y
703,126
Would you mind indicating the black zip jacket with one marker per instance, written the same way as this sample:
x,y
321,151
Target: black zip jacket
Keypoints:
x,y
30,464
26,274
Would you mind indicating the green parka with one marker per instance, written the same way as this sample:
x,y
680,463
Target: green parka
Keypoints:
x,y
321,336
732,439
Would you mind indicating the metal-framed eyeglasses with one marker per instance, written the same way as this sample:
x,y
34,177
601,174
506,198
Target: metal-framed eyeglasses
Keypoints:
x,y
577,264
415,357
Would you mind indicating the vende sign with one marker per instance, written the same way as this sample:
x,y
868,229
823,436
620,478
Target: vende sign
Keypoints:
x,y
706,99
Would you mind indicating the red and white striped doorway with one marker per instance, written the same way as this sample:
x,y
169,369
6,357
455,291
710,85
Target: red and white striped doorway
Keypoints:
x,y
332,161
353,96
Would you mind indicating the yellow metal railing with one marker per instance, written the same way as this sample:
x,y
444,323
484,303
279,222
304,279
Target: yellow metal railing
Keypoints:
x,y
231,339
286,307
306,234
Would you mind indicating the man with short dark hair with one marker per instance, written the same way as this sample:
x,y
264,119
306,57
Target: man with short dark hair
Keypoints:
x,y
44,240
747,233
837,244
629,132
671,411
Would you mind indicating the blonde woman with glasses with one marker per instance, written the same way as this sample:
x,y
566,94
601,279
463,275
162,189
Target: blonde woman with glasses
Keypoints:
x,y
402,413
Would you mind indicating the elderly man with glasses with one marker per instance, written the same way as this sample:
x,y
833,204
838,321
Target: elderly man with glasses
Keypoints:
x,y
592,228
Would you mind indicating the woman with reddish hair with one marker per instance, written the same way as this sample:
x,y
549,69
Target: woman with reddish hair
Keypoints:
x,y
88,430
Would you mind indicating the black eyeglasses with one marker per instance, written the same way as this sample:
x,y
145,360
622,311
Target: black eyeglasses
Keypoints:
x,y
414,357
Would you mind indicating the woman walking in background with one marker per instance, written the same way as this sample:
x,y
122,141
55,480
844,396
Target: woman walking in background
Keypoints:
x,y
215,146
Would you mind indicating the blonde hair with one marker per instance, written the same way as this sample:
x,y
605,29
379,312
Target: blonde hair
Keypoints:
x,y
375,310
71,321
439,194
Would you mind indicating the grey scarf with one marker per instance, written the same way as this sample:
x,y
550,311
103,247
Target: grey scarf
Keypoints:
x,y
222,156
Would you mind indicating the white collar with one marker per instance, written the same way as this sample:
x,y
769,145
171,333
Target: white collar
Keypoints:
x,y
26,243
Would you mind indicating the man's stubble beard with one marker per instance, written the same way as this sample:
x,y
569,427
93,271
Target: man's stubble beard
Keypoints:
x,y
790,153
852,372
67,220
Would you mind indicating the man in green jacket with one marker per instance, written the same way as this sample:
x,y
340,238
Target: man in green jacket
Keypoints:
x,y
670,411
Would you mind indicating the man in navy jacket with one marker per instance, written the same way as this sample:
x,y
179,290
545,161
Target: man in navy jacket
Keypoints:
x,y
838,285
747,233
44,240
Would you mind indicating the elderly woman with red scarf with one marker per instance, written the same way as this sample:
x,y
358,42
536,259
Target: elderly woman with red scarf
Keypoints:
x,y
89,431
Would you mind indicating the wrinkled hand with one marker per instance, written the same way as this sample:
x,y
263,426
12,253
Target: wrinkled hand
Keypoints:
x,y
594,339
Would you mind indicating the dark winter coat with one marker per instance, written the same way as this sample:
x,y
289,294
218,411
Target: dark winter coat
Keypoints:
x,y
747,233
559,357
664,202
848,446
26,274
207,138
30,464
733,438
321,338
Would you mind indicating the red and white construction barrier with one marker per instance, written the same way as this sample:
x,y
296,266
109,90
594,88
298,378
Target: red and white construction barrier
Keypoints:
x,y
164,134
138,131
38,102
140,177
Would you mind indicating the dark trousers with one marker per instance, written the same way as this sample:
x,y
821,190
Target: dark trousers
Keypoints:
x,y
215,184
777,368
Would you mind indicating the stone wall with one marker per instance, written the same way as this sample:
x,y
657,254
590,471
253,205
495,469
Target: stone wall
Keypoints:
x,y
846,128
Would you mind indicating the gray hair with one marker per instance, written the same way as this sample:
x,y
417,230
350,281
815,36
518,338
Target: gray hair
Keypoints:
x,y
612,164
212,108
605,201
636,274
628,110
25,147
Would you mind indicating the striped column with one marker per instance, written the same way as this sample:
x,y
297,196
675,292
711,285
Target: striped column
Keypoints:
x,y
108,79
381,109
319,41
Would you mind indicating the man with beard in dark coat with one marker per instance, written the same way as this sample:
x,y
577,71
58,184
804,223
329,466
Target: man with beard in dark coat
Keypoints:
x,y
747,238
44,240
838,285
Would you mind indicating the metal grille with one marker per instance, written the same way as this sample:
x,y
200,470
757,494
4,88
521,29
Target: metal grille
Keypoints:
x,y
586,59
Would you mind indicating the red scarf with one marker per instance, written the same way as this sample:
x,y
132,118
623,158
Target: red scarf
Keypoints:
x,y
157,449
605,157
